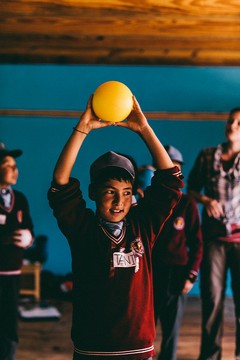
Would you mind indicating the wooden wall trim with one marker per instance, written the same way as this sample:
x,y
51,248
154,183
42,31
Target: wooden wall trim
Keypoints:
x,y
151,115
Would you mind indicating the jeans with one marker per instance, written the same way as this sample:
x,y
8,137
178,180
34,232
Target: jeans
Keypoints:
x,y
169,305
219,257
7,350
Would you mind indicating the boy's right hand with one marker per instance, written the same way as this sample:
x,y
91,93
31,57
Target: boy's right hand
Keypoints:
x,y
20,237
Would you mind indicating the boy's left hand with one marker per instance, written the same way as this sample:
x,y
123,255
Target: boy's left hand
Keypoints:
x,y
187,287
136,120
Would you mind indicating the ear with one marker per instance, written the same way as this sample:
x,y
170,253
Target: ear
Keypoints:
x,y
91,192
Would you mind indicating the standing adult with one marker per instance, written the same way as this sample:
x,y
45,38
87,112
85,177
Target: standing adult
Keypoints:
x,y
16,233
214,181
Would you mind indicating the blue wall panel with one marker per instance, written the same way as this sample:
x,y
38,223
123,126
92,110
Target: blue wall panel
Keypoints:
x,y
157,88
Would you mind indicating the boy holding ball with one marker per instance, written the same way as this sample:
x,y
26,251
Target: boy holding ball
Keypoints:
x,y
111,248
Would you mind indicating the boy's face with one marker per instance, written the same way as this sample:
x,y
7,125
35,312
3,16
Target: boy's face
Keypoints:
x,y
114,199
8,171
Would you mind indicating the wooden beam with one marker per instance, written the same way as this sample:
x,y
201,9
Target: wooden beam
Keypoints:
x,y
151,115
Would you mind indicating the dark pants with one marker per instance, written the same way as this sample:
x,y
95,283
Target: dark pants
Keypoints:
x,y
169,305
218,258
9,287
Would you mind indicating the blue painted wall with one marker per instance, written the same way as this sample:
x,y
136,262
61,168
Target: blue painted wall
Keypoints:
x,y
157,88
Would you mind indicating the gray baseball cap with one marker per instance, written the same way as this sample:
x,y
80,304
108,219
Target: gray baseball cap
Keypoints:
x,y
111,159
174,154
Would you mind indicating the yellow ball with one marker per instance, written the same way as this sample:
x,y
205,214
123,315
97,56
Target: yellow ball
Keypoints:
x,y
112,101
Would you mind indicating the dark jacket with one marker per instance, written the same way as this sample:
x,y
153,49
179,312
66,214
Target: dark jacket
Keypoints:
x,y
16,217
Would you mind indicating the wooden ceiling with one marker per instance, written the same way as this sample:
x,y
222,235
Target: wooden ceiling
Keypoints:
x,y
148,32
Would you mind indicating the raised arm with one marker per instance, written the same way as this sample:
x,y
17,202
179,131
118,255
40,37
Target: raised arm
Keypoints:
x,y
67,158
138,123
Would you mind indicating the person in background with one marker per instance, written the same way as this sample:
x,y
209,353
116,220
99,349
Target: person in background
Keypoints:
x,y
214,181
176,259
113,315
16,234
145,174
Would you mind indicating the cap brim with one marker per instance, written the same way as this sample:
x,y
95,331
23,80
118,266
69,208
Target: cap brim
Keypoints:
x,y
12,153
15,153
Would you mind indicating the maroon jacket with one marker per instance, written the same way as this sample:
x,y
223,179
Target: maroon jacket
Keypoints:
x,y
112,287
180,242
16,217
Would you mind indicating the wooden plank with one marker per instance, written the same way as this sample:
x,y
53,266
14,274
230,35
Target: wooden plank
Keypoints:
x,y
169,27
121,7
100,57
145,58
81,42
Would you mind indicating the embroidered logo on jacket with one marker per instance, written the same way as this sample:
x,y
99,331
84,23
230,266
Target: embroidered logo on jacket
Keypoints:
x,y
124,260
137,247
179,223
129,259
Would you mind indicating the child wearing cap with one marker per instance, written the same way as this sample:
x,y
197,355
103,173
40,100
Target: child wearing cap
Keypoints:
x,y
176,258
177,255
111,248
16,233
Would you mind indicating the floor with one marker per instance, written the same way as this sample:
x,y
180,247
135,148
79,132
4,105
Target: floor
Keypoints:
x,y
50,340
